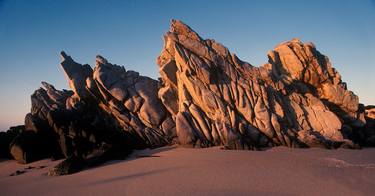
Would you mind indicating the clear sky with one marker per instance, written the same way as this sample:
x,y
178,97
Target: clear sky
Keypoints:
x,y
129,33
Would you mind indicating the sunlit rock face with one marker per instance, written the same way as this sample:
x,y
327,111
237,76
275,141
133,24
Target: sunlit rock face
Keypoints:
x,y
296,99
206,97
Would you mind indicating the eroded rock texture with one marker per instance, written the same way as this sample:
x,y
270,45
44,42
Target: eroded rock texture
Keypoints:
x,y
207,96
296,99
108,113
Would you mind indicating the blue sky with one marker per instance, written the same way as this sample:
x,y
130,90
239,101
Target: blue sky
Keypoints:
x,y
129,33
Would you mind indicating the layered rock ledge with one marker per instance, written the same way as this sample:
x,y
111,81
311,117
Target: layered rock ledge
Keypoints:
x,y
206,97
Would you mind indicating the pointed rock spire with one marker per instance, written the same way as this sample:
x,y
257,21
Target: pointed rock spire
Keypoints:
x,y
99,60
76,74
180,28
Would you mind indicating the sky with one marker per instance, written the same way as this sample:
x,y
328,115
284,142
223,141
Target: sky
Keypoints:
x,y
130,33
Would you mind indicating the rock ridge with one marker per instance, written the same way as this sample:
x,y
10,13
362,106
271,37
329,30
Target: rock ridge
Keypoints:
x,y
206,96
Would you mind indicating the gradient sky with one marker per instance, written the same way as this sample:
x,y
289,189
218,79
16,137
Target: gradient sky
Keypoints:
x,y
129,33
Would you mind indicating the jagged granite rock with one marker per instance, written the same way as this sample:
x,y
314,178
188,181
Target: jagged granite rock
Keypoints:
x,y
206,96
133,102
297,99
108,106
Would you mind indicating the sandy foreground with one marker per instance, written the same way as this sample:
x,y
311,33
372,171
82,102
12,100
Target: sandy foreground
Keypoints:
x,y
211,171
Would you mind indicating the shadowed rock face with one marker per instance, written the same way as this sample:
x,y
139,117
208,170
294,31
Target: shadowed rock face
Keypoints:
x,y
108,113
207,96
368,133
6,138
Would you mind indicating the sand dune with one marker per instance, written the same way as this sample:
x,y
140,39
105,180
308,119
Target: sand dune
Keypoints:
x,y
211,171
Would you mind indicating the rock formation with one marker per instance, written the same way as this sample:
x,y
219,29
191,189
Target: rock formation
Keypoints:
x,y
206,97
296,99
109,112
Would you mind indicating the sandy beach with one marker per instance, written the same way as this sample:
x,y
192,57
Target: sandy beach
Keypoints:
x,y
211,171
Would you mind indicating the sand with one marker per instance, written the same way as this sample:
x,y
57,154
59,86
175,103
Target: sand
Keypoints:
x,y
211,171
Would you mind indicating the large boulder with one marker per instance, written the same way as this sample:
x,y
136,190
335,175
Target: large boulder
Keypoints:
x,y
6,139
28,146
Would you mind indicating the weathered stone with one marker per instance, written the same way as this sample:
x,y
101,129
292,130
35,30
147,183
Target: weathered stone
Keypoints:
x,y
206,96
28,147
70,165
169,99
184,130
76,74
296,99
6,139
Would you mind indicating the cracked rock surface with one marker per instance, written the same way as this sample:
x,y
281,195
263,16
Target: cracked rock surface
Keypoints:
x,y
296,99
206,97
